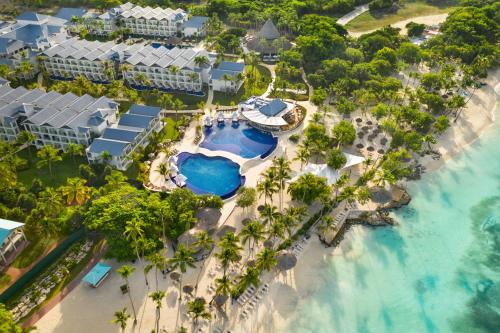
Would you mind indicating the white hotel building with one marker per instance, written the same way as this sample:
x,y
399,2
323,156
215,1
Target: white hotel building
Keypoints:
x,y
144,21
174,69
54,118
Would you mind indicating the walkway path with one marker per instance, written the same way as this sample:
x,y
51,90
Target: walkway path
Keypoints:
x,y
352,14
65,291
273,78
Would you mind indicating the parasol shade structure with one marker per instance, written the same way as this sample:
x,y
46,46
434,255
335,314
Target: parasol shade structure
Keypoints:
x,y
286,261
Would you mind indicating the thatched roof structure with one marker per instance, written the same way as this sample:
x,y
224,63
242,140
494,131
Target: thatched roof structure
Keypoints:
x,y
286,261
208,218
264,41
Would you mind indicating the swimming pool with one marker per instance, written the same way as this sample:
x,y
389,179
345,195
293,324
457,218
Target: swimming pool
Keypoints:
x,y
240,139
210,175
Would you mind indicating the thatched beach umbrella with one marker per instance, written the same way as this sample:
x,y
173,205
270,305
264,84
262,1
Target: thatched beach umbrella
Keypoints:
x,y
188,289
268,243
246,221
220,300
286,261
175,276
224,230
251,263
208,218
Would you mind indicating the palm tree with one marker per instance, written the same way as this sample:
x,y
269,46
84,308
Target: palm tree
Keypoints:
x,y
157,261
182,259
74,150
341,182
25,68
282,173
327,226
266,260
157,297
120,318
106,156
303,155
50,201
177,105
251,277
134,232
267,187
197,309
26,138
163,169
269,214
201,61
223,286
165,100
125,271
75,191
276,231
205,242
226,78
47,155
253,234
230,251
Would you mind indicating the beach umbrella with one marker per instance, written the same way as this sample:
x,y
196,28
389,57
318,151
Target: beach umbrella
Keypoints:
x,y
175,276
224,230
172,159
268,243
174,168
188,289
286,261
220,300
246,221
187,238
251,263
207,218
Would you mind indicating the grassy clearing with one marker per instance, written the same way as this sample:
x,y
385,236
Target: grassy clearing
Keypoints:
x,y
409,9
33,251
263,78
60,170
4,281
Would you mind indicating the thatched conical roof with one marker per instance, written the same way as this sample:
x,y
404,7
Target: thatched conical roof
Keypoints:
x,y
269,31
287,261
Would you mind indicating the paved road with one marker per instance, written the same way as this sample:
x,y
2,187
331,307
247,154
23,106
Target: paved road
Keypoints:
x,y
352,15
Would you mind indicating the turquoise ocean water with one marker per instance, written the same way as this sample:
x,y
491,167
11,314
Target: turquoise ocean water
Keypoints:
x,y
437,271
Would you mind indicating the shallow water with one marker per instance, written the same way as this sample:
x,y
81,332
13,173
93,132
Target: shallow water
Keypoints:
x,y
437,271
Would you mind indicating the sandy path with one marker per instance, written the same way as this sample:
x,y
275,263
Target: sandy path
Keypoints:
x,y
427,20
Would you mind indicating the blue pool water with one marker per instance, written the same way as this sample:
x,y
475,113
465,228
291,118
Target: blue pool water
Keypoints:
x,y
210,175
437,271
240,139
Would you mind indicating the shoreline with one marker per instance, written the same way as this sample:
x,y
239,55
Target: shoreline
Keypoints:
x,y
287,292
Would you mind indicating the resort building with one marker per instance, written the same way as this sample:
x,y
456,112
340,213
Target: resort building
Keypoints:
x,y
31,33
268,41
147,21
97,61
11,239
175,69
54,118
130,133
269,115
143,66
228,76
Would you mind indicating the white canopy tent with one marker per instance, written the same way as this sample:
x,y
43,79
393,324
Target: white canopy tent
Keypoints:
x,y
172,159
323,170
260,118
181,180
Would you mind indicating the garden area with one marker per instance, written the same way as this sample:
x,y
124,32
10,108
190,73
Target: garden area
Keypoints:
x,y
66,168
256,83
372,20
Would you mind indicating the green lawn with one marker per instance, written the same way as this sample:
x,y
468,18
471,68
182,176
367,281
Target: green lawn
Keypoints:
x,y
263,78
35,249
371,21
60,170
190,101
4,281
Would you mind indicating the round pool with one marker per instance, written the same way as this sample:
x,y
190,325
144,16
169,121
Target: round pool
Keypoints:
x,y
210,175
240,139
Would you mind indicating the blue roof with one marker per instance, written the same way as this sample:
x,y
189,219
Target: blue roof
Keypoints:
x,y
6,227
217,74
195,22
67,13
96,274
144,110
113,147
273,108
30,16
135,120
231,66
119,134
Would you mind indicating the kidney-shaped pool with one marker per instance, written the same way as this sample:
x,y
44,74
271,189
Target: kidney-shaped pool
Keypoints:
x,y
210,175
